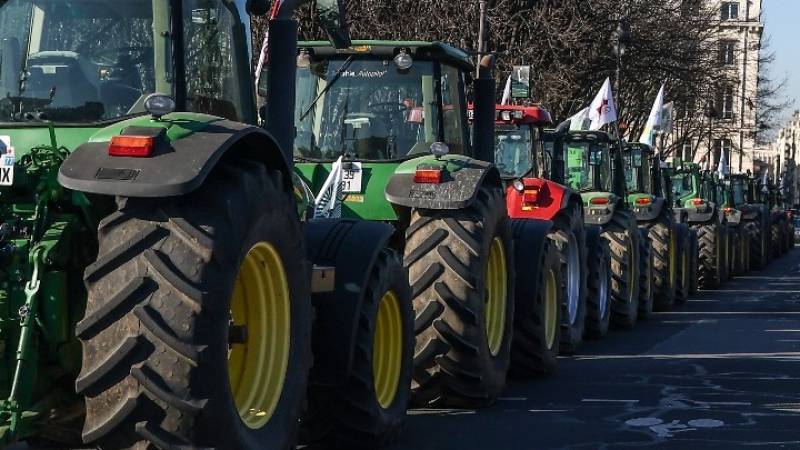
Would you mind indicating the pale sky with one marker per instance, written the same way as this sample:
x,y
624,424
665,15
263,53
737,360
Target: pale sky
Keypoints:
x,y
782,18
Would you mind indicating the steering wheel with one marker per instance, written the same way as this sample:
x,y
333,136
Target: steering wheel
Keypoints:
x,y
112,56
388,108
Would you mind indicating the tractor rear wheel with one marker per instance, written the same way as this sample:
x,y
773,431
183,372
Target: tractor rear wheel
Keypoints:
x,y
461,268
598,311
646,281
665,261
711,255
197,327
760,247
368,410
684,264
776,245
623,241
537,317
694,263
570,240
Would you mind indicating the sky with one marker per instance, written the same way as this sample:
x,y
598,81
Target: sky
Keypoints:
x,y
782,22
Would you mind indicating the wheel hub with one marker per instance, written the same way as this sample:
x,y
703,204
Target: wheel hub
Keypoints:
x,y
387,349
496,296
573,278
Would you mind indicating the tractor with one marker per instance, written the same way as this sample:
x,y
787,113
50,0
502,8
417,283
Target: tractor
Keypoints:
x,y
393,115
651,196
159,286
536,190
740,243
780,219
593,166
748,198
697,195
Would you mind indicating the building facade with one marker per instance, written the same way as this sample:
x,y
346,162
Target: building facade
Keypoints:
x,y
733,124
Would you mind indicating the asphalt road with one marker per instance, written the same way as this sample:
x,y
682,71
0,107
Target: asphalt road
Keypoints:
x,y
720,372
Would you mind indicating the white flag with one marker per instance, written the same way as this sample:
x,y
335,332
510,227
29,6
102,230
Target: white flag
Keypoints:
x,y
667,121
602,110
722,168
579,121
654,120
507,92
328,204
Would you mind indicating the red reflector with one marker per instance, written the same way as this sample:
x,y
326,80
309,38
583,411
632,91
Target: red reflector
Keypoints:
x,y
530,197
136,146
728,210
428,176
600,201
697,201
643,201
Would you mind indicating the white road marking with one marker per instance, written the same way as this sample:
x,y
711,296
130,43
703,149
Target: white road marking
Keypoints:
x,y
512,399
608,400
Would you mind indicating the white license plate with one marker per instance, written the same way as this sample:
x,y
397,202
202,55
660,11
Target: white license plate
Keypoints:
x,y
351,180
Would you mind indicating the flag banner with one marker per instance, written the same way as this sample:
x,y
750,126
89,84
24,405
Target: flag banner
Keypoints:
x,y
506,92
654,120
722,168
580,121
603,111
667,118
328,204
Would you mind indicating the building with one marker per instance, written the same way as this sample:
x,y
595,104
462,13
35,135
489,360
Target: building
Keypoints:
x,y
734,124
782,155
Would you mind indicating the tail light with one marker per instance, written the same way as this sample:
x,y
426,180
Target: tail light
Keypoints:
x,y
428,176
697,201
728,210
644,201
600,201
530,198
133,146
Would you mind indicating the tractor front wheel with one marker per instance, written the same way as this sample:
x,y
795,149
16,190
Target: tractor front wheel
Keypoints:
x,y
197,327
570,239
598,300
623,241
646,281
665,261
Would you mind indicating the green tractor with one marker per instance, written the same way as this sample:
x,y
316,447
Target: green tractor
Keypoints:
x,y
159,288
749,199
651,199
735,203
697,194
392,116
593,166
780,219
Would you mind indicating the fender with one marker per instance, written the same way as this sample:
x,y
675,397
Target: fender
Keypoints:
x,y
461,179
602,214
646,213
529,238
733,217
189,147
351,247
551,199
706,215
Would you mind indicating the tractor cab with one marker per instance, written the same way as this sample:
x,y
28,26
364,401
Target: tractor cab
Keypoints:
x,y
518,141
377,105
591,165
641,174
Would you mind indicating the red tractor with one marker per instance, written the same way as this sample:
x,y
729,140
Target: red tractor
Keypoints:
x,y
535,189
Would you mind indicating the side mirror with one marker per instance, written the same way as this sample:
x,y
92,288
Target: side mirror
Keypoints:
x,y
257,7
521,82
333,19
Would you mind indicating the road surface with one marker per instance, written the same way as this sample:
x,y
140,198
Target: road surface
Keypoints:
x,y
721,372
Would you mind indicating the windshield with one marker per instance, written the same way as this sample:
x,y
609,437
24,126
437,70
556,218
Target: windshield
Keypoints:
x,y
76,61
739,197
637,172
588,166
371,110
513,151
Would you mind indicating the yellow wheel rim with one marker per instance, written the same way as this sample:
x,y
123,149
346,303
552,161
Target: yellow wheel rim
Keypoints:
x,y
387,349
260,304
632,271
673,258
550,308
496,296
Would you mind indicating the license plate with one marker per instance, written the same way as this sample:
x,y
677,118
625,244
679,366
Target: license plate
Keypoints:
x,y
351,179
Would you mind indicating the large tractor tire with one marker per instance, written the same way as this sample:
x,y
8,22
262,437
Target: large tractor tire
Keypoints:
x,y
760,245
598,300
665,261
198,322
570,239
711,255
461,268
777,242
683,287
745,236
646,279
537,317
368,410
623,241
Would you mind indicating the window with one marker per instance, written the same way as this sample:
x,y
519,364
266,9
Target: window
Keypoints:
x,y
687,150
213,36
722,146
453,108
730,11
725,102
727,51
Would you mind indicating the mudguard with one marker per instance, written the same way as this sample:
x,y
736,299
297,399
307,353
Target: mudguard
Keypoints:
x,y
457,190
179,164
529,238
733,217
600,215
552,198
706,215
351,247
651,211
